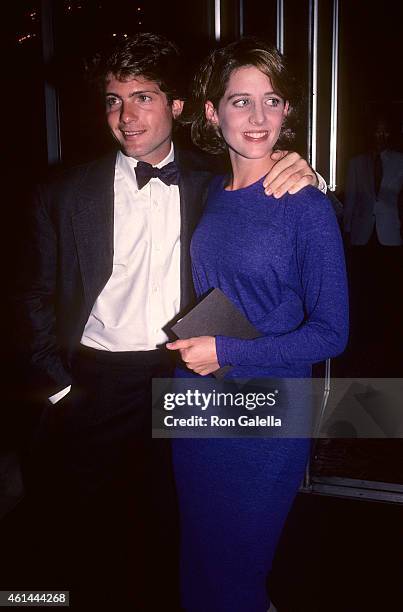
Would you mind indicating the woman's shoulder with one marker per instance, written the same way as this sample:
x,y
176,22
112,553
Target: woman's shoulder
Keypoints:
x,y
309,205
308,196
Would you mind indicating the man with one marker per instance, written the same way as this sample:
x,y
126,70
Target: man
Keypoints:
x,y
108,269
374,189
373,229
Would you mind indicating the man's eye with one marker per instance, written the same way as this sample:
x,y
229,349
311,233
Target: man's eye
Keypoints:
x,y
144,98
241,103
111,102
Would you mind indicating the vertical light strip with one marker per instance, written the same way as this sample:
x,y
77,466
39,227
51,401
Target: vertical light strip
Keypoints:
x,y
52,115
334,99
280,26
241,18
217,20
313,60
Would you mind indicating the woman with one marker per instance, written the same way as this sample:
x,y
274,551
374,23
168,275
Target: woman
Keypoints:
x,y
281,263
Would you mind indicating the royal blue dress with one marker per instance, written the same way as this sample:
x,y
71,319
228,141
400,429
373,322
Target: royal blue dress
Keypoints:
x,y
281,263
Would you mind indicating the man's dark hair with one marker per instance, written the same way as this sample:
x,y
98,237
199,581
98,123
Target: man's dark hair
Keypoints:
x,y
151,56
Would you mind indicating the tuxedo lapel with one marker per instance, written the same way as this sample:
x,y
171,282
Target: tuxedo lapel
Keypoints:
x,y
192,189
93,227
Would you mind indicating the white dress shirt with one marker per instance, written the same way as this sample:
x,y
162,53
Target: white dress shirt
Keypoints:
x,y
143,293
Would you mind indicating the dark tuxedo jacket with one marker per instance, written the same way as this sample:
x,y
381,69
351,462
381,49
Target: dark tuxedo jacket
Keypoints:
x,y
68,258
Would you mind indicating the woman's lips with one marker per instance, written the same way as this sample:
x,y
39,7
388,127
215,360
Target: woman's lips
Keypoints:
x,y
258,136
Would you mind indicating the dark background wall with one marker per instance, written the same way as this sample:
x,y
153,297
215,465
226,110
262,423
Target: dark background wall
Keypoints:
x,y
371,48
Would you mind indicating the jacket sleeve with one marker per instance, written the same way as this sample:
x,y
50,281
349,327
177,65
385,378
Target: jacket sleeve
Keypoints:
x,y
36,300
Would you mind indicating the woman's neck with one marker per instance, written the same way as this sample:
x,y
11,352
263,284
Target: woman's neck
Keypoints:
x,y
245,171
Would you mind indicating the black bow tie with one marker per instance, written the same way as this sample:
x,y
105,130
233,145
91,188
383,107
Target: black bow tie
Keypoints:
x,y
168,174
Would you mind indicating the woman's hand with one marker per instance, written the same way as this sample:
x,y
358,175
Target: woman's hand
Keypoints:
x,y
199,354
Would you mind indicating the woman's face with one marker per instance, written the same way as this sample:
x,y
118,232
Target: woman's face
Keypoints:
x,y
250,114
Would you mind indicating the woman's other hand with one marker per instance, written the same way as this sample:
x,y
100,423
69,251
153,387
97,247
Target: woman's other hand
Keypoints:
x,y
199,354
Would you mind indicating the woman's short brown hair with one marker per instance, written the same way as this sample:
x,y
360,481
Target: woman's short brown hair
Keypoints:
x,y
212,79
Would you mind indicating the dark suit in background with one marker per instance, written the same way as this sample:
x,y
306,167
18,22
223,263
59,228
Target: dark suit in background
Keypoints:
x,y
372,224
370,206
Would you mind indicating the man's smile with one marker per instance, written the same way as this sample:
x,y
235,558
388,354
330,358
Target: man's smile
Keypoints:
x,y
131,133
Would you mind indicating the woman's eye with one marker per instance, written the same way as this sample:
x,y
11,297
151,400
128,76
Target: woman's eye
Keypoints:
x,y
273,102
241,103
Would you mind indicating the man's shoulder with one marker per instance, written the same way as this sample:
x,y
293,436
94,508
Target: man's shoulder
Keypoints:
x,y
67,180
194,161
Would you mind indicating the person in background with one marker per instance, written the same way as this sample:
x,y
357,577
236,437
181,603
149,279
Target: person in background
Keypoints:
x,y
373,189
373,229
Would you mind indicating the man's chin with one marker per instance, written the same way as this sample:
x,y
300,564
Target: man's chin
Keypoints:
x,y
130,151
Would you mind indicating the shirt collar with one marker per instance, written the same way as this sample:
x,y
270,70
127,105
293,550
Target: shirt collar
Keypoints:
x,y
127,164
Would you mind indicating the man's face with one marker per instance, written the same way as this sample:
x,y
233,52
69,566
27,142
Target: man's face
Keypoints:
x,y
140,117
